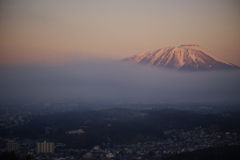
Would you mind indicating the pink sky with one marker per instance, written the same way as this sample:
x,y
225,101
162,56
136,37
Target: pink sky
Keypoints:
x,y
60,31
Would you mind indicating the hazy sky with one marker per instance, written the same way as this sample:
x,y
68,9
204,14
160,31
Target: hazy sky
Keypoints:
x,y
62,30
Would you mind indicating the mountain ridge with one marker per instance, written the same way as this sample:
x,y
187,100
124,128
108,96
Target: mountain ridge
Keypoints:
x,y
187,57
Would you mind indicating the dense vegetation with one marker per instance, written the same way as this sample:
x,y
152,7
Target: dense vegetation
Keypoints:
x,y
13,156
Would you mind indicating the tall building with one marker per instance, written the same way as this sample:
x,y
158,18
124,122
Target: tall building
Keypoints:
x,y
45,147
12,146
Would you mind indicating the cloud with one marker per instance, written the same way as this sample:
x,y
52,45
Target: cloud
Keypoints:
x,y
116,81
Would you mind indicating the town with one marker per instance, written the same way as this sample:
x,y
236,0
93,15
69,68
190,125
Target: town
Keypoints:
x,y
173,141
179,142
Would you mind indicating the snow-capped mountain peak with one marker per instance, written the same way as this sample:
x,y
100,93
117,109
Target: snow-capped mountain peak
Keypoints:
x,y
185,57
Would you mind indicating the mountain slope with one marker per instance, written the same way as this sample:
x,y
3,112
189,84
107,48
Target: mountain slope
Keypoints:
x,y
185,57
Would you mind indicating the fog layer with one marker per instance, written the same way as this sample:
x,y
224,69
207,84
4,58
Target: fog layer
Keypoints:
x,y
116,81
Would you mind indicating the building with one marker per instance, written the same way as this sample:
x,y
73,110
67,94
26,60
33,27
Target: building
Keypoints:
x,y
110,155
12,146
45,147
78,131
96,148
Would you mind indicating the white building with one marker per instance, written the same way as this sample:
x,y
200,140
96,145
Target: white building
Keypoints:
x,y
45,147
110,155
96,148
12,146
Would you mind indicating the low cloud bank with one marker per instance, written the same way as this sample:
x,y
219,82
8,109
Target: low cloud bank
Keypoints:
x,y
116,81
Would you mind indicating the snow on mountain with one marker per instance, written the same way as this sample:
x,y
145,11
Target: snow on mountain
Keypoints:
x,y
190,57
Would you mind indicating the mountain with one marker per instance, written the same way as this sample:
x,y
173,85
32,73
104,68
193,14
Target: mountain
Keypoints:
x,y
188,57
